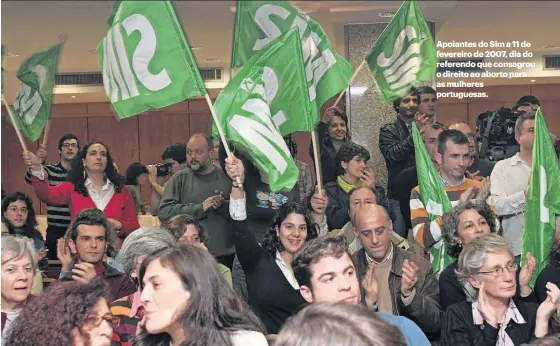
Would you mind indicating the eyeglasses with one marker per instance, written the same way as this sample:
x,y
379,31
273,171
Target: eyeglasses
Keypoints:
x,y
70,145
96,320
16,209
497,272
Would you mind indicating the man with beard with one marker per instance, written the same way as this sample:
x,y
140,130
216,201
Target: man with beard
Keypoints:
x,y
397,146
479,168
325,272
453,158
58,217
199,192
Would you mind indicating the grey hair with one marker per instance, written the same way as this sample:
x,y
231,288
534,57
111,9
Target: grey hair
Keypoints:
x,y
19,246
451,224
520,120
143,242
474,256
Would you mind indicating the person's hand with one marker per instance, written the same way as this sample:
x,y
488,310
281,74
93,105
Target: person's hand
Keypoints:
x,y
32,160
484,191
64,255
201,245
485,308
526,191
467,195
409,277
41,253
152,174
42,153
474,176
527,271
218,200
319,202
235,169
549,306
208,203
115,225
328,114
369,283
422,120
84,272
369,178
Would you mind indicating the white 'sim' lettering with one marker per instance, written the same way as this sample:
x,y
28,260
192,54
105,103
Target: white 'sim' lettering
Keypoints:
x,y
316,65
118,75
29,103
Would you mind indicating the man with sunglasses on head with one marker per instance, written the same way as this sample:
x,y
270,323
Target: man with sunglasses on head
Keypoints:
x,y
58,217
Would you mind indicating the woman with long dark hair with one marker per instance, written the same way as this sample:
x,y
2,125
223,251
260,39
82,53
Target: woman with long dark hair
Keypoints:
x,y
93,182
188,303
272,288
69,313
551,273
20,219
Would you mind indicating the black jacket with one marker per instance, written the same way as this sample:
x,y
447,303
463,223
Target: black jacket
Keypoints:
x,y
459,327
339,204
397,147
549,274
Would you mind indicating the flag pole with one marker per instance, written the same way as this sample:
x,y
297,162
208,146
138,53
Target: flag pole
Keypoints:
x,y
350,82
220,130
13,119
317,162
47,131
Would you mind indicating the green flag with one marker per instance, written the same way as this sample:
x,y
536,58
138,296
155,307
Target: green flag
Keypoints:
x,y
266,99
258,23
542,205
433,196
404,54
32,106
146,60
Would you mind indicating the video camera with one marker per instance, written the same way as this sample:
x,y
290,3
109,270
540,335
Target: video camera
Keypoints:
x,y
497,131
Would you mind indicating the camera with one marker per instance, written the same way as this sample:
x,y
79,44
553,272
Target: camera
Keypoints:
x,y
163,169
497,131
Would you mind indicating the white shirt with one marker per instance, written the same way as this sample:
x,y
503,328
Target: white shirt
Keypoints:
x,y
248,338
508,181
100,199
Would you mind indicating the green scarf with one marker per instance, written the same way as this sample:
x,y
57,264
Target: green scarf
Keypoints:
x,y
344,185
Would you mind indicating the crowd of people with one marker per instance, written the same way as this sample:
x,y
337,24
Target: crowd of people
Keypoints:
x,y
234,263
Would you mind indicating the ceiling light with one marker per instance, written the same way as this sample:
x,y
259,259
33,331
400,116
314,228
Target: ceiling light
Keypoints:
x,y
212,60
386,14
533,80
11,55
73,96
551,46
196,47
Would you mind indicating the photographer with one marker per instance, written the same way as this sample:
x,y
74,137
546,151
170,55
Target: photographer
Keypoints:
x,y
174,159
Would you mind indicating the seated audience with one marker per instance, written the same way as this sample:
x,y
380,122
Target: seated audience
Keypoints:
x,y
407,285
272,288
467,221
338,324
88,244
92,182
325,272
188,302
492,315
332,133
135,176
69,313
129,310
351,162
18,215
186,230
19,265
551,273
358,197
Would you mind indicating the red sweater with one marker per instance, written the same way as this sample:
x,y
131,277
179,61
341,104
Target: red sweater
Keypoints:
x,y
121,206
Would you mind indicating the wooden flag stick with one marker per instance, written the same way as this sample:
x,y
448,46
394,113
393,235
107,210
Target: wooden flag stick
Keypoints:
x,y
13,119
350,82
220,130
47,131
317,161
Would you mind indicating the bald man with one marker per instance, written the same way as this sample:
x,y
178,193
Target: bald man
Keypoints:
x,y
479,168
406,283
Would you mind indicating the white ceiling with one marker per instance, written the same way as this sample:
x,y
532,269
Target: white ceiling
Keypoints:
x,y
30,25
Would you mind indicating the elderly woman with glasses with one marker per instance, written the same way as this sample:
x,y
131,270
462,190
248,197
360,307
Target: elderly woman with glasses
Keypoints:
x,y
492,315
467,221
129,310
